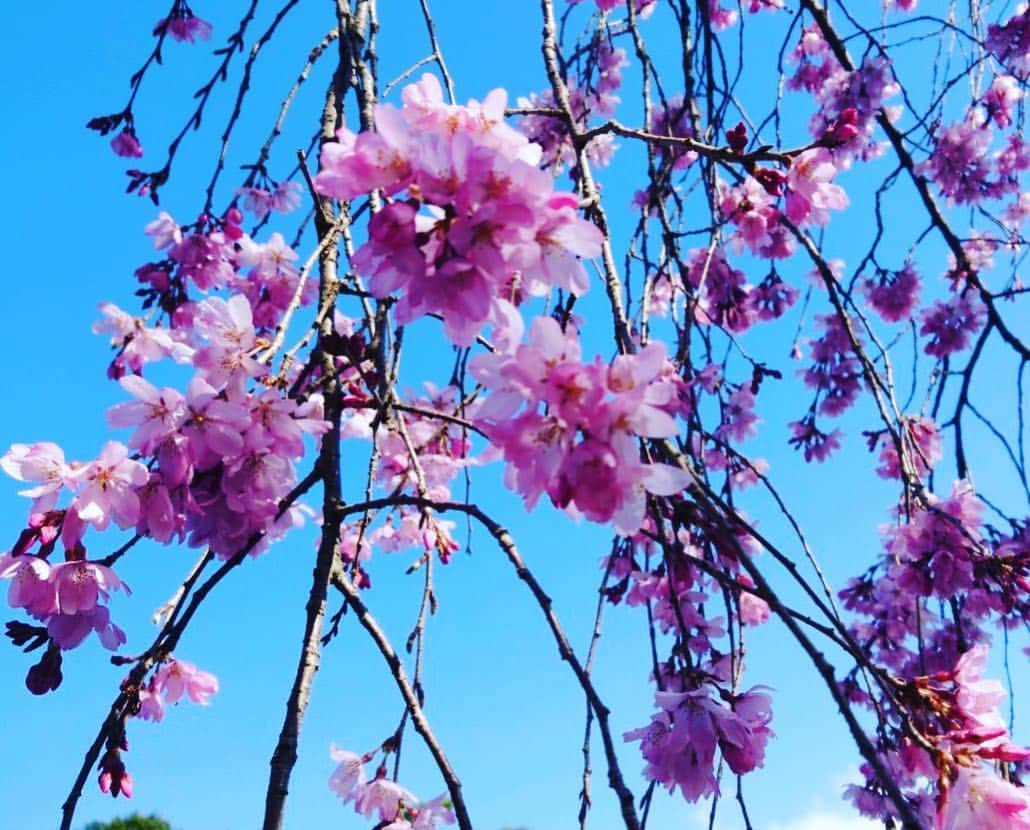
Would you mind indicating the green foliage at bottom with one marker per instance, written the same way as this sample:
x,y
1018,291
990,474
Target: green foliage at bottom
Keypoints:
x,y
133,822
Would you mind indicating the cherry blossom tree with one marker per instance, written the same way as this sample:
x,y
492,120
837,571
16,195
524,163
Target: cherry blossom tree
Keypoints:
x,y
827,208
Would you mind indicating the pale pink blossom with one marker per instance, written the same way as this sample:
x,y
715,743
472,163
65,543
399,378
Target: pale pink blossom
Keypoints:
x,y
106,488
69,630
156,413
980,799
348,778
178,677
383,796
31,585
164,230
41,463
80,585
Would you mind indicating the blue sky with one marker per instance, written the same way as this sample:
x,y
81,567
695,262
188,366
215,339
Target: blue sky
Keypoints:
x,y
503,704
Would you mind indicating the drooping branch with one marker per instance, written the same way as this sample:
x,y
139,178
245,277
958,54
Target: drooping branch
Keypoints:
x,y
565,650
821,664
437,55
241,92
411,700
922,187
613,285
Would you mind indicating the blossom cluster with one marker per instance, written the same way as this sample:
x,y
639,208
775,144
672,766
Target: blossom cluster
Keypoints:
x,y
835,373
701,713
592,94
691,724
939,551
848,101
920,441
481,226
1009,42
804,196
442,450
170,682
935,551
282,198
962,163
723,297
208,259
963,737
894,294
223,453
383,800
582,449
210,465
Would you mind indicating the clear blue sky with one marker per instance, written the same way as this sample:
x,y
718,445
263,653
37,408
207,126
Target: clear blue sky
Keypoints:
x,y
504,705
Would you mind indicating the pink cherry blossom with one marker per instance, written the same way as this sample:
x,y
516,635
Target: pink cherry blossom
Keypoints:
x,y
31,585
478,216
1001,97
164,231
138,344
431,814
1009,42
812,441
204,260
960,164
681,742
126,145
921,442
721,18
810,191
42,463
581,453
894,294
106,488
70,630
348,778
935,552
184,26
80,585
981,799
383,796
178,677
835,373
227,326
157,414
950,323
